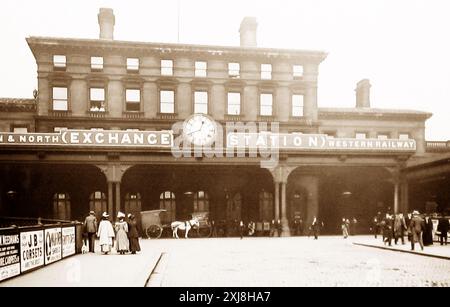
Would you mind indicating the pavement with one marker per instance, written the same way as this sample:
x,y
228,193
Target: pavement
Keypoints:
x,y
435,250
251,262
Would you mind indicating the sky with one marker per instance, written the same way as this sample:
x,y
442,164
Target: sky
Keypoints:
x,y
402,46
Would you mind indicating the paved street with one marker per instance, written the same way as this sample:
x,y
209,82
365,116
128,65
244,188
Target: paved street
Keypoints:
x,y
330,261
277,262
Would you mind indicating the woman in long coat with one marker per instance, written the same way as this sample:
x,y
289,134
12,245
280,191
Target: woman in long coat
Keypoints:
x,y
121,227
133,235
105,234
428,232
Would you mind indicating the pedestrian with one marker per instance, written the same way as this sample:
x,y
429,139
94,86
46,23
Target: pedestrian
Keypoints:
x,y
315,227
122,242
105,234
279,228
353,228
90,227
273,228
251,228
399,228
376,226
344,227
428,232
242,229
133,234
388,229
416,228
443,228
408,219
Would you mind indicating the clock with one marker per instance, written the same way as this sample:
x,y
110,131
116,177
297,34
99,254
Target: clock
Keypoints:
x,y
200,130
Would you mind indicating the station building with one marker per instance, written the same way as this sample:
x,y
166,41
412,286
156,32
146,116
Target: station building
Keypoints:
x,y
104,86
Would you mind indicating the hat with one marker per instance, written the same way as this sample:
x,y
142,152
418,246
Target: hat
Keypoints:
x,y
120,215
416,212
92,212
130,215
105,214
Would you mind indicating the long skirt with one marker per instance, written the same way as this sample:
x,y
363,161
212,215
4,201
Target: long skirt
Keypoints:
x,y
134,245
106,248
122,243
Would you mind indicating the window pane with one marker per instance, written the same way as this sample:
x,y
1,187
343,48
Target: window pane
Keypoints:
x,y
298,70
133,96
234,103
234,69
266,71
201,109
200,69
403,136
201,103
266,104
168,102
167,67
20,130
59,60
60,93
97,94
297,105
132,64
361,135
383,136
96,62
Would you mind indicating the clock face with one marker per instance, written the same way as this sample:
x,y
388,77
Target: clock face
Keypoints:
x,y
200,130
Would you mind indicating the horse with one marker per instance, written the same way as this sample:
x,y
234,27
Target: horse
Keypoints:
x,y
186,226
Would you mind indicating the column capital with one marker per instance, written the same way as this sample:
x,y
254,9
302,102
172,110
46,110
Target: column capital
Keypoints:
x,y
281,173
114,172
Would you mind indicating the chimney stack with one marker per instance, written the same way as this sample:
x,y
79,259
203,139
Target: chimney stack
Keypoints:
x,y
106,21
363,94
248,32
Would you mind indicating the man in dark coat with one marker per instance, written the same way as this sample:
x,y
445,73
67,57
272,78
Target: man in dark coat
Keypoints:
x,y
428,232
388,229
315,227
443,228
133,235
416,228
90,226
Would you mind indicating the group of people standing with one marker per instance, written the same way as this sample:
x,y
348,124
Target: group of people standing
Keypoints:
x,y
124,234
418,228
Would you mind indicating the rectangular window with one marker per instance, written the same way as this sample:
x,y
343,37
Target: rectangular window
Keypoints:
x,y
97,100
383,136
361,135
297,71
167,102
234,70
167,68
297,106
59,61
20,129
133,64
60,102
234,103
266,71
201,103
201,69
96,63
403,136
133,100
266,105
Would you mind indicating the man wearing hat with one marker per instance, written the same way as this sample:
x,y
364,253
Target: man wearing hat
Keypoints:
x,y
90,226
416,228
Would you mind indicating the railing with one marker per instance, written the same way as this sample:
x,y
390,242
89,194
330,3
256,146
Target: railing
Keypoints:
x,y
438,146
234,118
133,115
60,113
168,116
97,114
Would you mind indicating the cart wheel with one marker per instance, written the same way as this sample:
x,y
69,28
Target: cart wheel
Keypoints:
x,y
154,232
205,231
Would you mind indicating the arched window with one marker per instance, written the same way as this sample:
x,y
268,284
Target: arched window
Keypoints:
x,y
201,202
98,203
133,204
61,206
167,202
266,210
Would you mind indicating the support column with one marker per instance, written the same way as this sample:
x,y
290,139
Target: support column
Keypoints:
x,y
284,220
404,197
396,197
277,200
110,198
118,199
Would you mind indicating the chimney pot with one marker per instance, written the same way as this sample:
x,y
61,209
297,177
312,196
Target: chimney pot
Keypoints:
x,y
363,94
106,21
248,29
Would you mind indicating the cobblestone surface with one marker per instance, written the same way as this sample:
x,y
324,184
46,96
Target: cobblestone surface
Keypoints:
x,y
277,262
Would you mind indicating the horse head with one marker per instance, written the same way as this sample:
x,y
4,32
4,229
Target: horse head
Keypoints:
x,y
195,223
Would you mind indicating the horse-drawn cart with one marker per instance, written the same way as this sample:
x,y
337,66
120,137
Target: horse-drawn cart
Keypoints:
x,y
204,230
151,223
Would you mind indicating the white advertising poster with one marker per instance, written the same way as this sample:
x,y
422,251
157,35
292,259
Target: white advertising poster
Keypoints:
x,y
31,250
9,255
53,245
68,241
